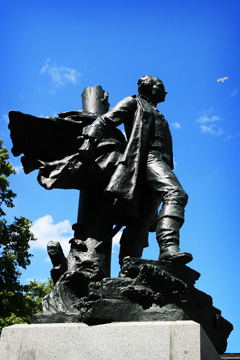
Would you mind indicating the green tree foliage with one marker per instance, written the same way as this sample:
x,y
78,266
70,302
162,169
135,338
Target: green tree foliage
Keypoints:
x,y
19,306
17,302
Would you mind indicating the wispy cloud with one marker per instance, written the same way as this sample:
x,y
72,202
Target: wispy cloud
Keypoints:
x,y
18,168
232,137
234,92
60,75
177,126
211,129
45,230
208,119
5,121
5,118
208,123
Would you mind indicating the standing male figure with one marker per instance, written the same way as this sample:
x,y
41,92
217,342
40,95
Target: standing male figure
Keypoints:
x,y
144,177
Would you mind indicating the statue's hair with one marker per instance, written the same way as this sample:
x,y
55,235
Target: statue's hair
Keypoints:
x,y
146,81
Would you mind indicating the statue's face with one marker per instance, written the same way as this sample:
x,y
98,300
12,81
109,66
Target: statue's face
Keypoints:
x,y
158,91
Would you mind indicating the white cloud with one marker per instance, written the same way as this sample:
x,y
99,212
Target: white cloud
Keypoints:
x,y
18,168
232,137
45,230
177,126
5,118
208,123
234,92
211,129
60,75
208,119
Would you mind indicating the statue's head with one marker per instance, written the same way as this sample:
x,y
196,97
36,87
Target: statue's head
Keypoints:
x,y
152,87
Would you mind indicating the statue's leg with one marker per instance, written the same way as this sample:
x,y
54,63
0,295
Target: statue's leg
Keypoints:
x,y
171,217
135,236
133,240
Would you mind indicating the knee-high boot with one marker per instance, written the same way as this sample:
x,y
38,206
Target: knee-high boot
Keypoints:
x,y
167,232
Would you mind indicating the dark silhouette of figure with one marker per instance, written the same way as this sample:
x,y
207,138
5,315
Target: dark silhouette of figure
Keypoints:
x,y
122,183
85,150
143,178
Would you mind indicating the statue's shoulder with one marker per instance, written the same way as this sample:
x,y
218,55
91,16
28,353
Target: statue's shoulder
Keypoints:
x,y
129,103
130,99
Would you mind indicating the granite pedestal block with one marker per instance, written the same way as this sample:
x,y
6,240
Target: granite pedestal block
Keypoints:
x,y
168,340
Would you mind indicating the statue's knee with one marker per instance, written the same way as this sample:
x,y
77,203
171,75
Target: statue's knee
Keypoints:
x,y
184,198
178,197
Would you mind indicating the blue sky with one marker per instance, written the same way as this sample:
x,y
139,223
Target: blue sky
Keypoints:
x,y
51,50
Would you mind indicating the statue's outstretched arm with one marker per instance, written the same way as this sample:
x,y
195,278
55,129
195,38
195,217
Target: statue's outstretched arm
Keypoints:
x,y
121,113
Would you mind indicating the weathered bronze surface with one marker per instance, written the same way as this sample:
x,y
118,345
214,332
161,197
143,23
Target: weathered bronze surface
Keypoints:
x,y
123,183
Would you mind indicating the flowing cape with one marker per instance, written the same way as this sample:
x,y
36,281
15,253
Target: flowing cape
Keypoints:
x,y
51,146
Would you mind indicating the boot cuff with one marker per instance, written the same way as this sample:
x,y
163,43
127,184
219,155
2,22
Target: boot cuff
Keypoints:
x,y
172,210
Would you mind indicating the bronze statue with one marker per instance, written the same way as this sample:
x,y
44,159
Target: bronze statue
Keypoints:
x,y
143,177
122,183
135,176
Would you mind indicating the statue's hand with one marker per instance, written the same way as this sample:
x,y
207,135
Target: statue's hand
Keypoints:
x,y
87,150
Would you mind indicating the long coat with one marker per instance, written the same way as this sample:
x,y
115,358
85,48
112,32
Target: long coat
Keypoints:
x,y
138,118
51,145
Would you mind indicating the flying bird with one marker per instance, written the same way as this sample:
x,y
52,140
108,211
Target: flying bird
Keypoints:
x,y
222,79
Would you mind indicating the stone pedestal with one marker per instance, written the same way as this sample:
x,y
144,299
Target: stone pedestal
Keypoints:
x,y
168,340
145,291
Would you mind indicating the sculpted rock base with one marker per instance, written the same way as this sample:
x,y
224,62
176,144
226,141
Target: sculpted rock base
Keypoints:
x,y
145,291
